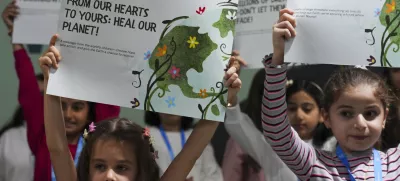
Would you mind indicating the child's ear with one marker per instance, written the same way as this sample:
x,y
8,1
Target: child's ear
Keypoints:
x,y
325,118
384,119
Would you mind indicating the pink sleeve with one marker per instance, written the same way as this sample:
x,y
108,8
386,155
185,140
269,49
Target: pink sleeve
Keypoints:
x,y
30,98
104,111
232,162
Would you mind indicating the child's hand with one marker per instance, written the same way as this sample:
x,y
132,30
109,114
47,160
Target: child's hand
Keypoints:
x,y
282,30
9,14
50,58
233,81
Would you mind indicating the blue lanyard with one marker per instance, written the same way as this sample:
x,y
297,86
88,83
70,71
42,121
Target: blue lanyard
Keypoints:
x,y
76,159
165,137
377,163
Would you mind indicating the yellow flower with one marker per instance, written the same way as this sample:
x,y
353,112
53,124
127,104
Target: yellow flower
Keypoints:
x,y
391,7
192,42
161,51
203,93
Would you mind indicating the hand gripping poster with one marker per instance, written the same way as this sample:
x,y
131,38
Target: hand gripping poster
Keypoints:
x,y
346,32
163,56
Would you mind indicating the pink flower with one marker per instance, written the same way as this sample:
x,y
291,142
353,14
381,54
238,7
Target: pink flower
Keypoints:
x,y
92,127
146,132
174,71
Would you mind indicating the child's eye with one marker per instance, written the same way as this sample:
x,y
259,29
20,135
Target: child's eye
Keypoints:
x,y
77,107
100,167
346,114
122,168
370,115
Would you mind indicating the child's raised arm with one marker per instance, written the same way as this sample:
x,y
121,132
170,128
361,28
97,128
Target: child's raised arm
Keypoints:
x,y
203,132
56,138
298,155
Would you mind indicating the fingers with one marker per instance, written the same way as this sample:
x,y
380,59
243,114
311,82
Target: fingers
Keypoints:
x,y
45,62
285,29
52,57
287,17
231,76
56,53
285,10
241,61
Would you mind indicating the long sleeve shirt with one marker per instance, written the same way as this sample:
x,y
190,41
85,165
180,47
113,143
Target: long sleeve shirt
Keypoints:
x,y
32,103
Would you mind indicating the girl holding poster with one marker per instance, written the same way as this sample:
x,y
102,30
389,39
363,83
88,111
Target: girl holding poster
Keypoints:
x,y
355,109
77,114
119,149
242,123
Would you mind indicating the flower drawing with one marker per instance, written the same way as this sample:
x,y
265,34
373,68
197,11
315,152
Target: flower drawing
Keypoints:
x,y
371,60
377,12
170,101
192,42
203,93
161,51
174,72
391,7
231,16
201,10
147,55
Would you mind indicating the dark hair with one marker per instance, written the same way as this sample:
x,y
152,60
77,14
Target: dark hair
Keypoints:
x,y
18,116
321,132
153,119
390,136
345,78
252,107
122,130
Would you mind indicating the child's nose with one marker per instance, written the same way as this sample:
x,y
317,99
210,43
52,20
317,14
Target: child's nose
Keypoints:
x,y
360,122
111,175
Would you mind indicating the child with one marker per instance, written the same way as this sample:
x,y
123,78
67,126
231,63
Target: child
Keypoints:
x,y
77,113
15,154
305,103
119,149
171,131
355,109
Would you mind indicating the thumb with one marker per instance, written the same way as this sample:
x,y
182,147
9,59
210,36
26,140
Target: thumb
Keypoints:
x,y
53,40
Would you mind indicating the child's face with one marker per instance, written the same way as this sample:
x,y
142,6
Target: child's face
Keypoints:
x,y
357,118
75,115
113,160
304,114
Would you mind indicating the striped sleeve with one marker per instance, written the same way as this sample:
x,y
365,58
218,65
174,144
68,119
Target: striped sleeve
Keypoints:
x,y
297,155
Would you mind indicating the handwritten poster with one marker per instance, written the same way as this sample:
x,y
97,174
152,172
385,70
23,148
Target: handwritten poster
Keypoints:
x,y
254,22
36,21
346,32
162,56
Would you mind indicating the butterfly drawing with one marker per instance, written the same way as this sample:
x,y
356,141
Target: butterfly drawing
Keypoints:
x,y
201,10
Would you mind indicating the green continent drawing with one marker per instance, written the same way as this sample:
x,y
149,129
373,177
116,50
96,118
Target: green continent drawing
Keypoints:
x,y
226,22
171,61
390,18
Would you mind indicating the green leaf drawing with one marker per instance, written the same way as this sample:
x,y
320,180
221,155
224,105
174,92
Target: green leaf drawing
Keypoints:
x,y
181,56
215,110
224,24
390,18
224,58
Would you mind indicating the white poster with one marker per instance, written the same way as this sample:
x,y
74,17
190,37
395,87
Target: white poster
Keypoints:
x,y
162,56
36,21
346,32
254,22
